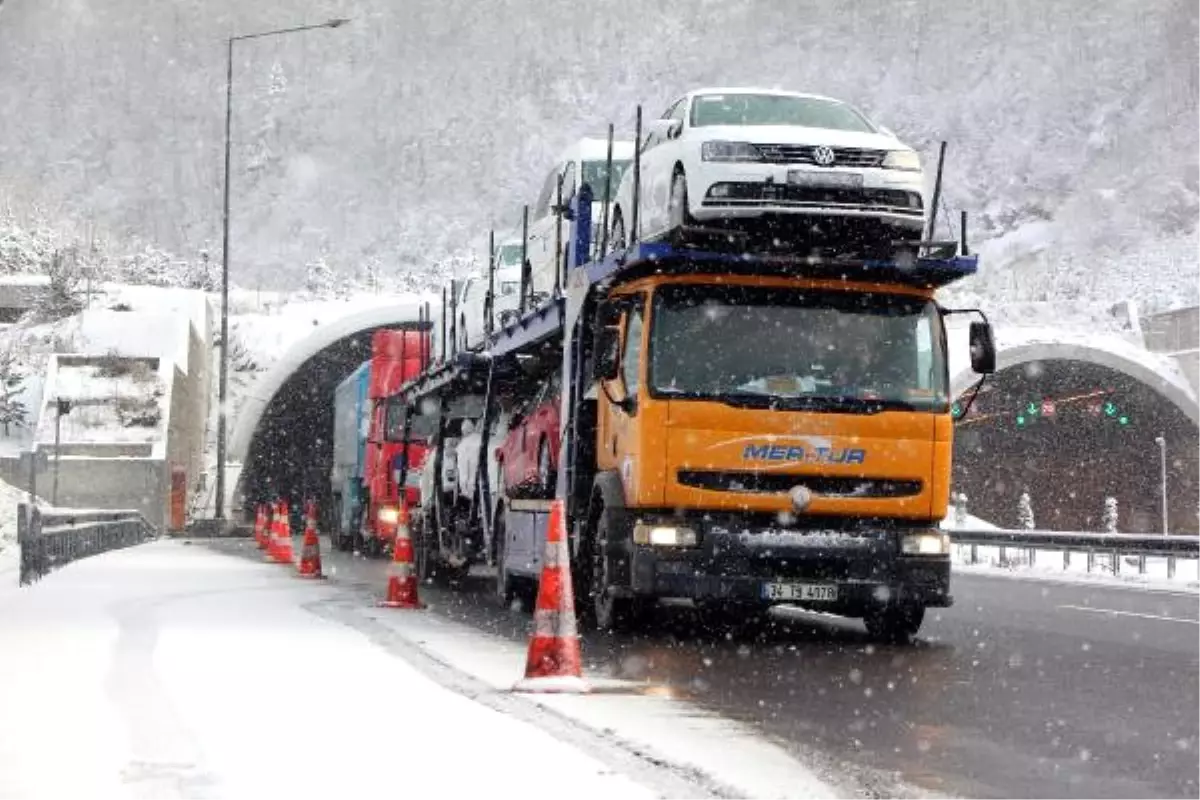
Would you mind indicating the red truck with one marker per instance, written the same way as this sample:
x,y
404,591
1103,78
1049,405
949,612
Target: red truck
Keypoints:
x,y
368,452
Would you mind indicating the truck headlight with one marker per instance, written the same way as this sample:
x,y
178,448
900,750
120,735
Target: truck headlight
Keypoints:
x,y
729,151
905,160
925,544
389,515
663,535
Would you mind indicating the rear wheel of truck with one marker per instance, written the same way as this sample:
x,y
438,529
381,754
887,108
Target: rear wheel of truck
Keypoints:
x,y
893,623
546,476
505,590
608,610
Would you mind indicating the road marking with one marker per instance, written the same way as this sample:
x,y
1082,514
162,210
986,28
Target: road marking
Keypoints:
x,y
1132,614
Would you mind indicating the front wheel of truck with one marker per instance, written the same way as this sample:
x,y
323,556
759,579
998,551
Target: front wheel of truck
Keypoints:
x,y
893,623
608,610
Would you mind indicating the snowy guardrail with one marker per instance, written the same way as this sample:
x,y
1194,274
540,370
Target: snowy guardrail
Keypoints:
x,y
51,538
1110,547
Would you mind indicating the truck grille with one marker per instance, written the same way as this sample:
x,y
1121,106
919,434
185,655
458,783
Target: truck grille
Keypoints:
x,y
803,154
776,483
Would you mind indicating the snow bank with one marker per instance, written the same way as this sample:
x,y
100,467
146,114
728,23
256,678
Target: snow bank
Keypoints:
x,y
175,690
10,496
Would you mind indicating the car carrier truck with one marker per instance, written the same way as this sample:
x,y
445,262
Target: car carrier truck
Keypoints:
x,y
738,429
366,452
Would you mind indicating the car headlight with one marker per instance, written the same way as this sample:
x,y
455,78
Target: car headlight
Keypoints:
x,y
925,544
906,160
389,515
729,151
663,535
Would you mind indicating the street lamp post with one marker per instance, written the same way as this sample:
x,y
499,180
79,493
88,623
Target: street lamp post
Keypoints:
x,y
1162,452
222,381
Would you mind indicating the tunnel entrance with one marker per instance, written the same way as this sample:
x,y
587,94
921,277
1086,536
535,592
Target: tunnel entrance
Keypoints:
x,y
1072,434
291,452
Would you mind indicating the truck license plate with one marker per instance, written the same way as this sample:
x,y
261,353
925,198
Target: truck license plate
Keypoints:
x,y
830,180
806,592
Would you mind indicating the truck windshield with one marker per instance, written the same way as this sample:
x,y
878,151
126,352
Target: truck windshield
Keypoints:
x,y
798,349
421,429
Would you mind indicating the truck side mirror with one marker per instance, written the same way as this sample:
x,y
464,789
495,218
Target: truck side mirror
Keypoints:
x,y
983,348
606,365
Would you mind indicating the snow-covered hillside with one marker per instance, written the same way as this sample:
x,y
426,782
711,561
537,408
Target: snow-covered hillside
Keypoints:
x,y
402,136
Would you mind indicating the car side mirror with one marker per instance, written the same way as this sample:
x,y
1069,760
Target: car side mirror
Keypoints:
x,y
983,348
607,363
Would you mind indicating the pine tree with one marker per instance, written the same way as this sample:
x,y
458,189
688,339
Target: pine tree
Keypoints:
x,y
1025,512
319,280
62,295
1111,515
12,410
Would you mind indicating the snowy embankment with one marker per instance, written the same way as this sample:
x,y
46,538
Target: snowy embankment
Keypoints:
x,y
10,498
190,673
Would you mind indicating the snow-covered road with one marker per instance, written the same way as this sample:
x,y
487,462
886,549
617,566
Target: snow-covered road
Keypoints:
x,y
174,671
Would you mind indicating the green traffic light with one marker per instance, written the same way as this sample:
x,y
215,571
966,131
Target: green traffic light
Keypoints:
x,y
1032,409
1110,409
1021,419
1123,420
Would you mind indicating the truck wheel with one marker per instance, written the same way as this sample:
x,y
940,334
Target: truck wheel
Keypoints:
x,y
610,611
546,476
505,592
894,623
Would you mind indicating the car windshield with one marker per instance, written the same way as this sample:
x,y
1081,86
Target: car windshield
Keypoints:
x,y
509,255
806,349
594,173
776,109
422,427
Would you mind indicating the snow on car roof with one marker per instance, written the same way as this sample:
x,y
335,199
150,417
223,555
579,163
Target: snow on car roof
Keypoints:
x,y
590,149
760,90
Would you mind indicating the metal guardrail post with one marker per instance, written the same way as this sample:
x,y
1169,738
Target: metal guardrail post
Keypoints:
x,y
1170,567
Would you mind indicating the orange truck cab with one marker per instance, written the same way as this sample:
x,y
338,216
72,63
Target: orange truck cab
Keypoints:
x,y
769,438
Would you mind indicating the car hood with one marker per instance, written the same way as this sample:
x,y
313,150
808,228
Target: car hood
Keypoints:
x,y
795,134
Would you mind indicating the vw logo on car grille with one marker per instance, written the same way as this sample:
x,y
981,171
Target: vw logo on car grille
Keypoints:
x,y
822,155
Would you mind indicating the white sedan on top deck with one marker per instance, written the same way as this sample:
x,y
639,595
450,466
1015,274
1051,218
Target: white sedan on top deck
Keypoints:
x,y
726,157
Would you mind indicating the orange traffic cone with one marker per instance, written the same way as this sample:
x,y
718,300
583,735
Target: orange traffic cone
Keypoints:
x,y
554,663
272,532
260,527
402,581
310,549
283,541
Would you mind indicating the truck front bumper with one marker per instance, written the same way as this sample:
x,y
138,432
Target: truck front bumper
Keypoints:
x,y
737,562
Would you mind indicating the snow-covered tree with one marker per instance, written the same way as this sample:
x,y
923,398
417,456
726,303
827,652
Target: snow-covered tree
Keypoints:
x,y
203,273
24,249
12,411
372,274
319,279
62,295
1111,515
960,509
1025,512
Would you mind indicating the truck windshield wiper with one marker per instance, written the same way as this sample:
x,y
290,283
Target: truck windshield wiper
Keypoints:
x,y
828,403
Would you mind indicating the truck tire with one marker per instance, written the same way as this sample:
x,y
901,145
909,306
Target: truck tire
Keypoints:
x,y
894,623
607,610
546,473
505,591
